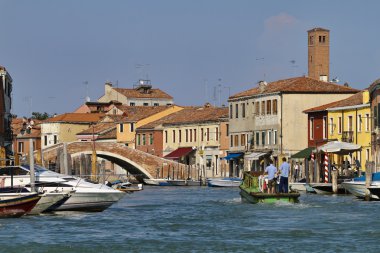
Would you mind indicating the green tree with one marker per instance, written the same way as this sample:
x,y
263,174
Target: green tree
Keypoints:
x,y
40,116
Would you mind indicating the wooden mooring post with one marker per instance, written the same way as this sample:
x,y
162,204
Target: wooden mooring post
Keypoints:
x,y
368,180
334,180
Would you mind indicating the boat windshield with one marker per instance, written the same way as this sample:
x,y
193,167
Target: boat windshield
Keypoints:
x,y
37,168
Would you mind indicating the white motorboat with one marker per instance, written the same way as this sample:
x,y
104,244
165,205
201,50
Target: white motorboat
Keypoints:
x,y
326,188
358,188
182,182
224,182
87,196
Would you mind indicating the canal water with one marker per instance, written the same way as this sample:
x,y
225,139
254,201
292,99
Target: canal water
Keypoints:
x,y
201,219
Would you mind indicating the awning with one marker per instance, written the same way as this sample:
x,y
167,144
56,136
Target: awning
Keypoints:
x,y
254,156
305,153
178,153
232,156
339,147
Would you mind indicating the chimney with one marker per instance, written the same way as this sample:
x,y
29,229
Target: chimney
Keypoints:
x,y
262,85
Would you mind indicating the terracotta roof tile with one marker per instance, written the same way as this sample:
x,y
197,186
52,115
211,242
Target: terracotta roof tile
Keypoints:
x,y
191,115
99,128
356,99
76,118
135,93
297,85
136,113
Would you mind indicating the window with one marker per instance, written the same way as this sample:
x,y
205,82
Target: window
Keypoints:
x,y
132,125
253,108
208,134
275,106
166,136
242,140
257,108
243,110
262,107
45,140
132,104
257,138
121,128
138,140
173,136
151,139
145,104
143,139
227,129
367,154
359,123
311,38
263,138
230,111
236,142
236,111
367,122
55,139
311,128
195,135
156,104
231,141
332,126
339,125
21,147
324,127
269,137
179,136
217,134
349,123
269,106
274,137
187,135
202,134
191,135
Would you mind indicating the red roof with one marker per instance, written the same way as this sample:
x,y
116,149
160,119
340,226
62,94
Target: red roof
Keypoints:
x,y
178,153
305,85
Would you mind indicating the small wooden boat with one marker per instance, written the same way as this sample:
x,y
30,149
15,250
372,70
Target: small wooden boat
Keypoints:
x,y
156,181
251,191
224,182
16,206
326,188
182,182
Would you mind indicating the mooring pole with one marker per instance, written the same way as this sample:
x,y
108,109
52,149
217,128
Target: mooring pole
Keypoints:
x,y
31,167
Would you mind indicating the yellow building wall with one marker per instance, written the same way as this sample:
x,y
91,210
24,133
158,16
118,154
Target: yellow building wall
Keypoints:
x,y
128,136
361,131
67,132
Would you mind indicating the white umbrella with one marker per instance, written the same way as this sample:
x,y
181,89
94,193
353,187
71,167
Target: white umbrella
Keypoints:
x,y
339,147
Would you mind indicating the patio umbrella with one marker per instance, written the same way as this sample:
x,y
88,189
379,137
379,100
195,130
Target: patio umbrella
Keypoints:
x,y
339,147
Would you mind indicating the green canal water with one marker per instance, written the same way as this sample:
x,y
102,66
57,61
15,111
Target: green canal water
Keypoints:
x,y
201,219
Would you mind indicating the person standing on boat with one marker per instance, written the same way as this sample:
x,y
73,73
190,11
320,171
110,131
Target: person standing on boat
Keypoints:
x,y
272,181
284,174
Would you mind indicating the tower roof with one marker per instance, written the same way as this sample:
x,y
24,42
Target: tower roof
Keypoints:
x,y
316,29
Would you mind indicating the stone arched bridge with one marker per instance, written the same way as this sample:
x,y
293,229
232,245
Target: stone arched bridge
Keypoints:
x,y
134,161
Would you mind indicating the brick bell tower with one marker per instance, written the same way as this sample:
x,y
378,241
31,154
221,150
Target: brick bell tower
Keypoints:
x,y
319,54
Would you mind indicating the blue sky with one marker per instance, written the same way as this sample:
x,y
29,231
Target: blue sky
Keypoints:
x,y
190,49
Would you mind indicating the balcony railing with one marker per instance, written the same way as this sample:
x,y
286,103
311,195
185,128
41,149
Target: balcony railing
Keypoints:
x,y
348,136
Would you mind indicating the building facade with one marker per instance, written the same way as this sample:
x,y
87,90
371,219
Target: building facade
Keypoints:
x,y
141,95
270,117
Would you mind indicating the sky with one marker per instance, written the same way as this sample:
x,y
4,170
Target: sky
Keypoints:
x,y
60,52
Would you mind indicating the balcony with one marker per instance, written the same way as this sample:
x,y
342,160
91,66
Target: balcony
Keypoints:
x,y
348,136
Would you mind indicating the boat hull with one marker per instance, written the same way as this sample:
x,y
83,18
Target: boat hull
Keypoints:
x,y
183,183
259,197
90,201
48,200
156,182
17,206
326,188
358,189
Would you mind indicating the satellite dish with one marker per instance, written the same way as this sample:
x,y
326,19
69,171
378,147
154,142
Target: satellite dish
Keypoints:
x,y
87,99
